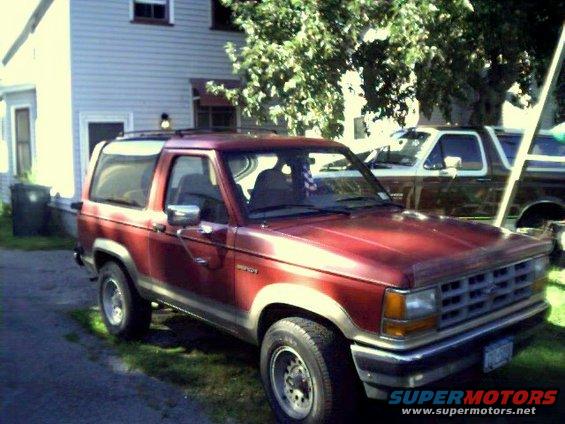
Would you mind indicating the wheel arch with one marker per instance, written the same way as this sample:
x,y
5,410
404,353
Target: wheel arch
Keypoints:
x,y
104,250
551,207
280,300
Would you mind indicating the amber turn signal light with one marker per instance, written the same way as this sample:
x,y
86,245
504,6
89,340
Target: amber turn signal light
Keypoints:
x,y
405,328
394,305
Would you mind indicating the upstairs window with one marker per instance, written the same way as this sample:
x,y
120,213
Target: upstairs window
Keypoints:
x,y
222,17
359,129
152,11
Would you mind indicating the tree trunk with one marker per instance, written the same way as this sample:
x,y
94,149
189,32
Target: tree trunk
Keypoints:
x,y
490,89
487,109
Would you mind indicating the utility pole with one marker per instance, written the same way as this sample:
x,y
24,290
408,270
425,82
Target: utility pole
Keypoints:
x,y
523,155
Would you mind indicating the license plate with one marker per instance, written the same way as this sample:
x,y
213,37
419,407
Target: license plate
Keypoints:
x,y
497,354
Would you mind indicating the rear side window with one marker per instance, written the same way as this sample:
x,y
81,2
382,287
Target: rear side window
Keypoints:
x,y
124,172
462,146
543,145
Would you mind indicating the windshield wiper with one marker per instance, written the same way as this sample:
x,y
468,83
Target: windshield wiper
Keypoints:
x,y
300,205
378,202
357,198
390,162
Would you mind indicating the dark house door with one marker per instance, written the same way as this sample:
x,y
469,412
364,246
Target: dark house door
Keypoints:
x,y
100,131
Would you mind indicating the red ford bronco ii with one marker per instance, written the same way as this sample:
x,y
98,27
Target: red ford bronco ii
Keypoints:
x,y
255,234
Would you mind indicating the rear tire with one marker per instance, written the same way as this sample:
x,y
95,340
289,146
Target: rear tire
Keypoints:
x,y
124,312
307,372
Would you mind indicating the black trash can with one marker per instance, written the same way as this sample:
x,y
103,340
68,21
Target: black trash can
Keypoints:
x,y
30,211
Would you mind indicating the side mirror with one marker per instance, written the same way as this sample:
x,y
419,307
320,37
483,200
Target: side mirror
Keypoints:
x,y
183,215
452,162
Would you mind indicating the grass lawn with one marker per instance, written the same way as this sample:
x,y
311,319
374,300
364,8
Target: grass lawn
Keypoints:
x,y
8,241
222,373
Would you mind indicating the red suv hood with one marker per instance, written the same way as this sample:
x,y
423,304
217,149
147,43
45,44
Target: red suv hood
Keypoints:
x,y
403,249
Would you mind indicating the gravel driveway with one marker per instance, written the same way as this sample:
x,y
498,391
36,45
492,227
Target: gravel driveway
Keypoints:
x,y
51,371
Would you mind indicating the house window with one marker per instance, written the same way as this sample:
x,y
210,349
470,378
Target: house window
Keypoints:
x,y
151,11
219,117
23,141
222,17
359,129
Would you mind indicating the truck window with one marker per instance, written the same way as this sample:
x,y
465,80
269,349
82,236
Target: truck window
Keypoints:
x,y
124,172
463,146
543,145
193,182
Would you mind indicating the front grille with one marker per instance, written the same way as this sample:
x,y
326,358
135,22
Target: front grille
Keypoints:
x,y
470,297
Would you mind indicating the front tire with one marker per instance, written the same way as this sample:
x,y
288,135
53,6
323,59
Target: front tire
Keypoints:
x,y
124,312
307,372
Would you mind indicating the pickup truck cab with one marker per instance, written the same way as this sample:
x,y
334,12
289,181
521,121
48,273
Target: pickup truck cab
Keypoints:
x,y
335,282
462,172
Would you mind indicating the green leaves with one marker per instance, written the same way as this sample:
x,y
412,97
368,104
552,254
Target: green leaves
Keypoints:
x,y
297,51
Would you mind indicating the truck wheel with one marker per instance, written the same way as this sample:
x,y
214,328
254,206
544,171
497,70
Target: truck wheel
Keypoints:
x,y
125,314
307,372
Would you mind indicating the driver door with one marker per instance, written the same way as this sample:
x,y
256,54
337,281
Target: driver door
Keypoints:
x,y
194,269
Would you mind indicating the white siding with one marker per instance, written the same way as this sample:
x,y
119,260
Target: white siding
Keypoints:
x,y
54,128
142,69
44,62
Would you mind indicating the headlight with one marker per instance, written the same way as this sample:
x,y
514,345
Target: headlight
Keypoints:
x,y
405,313
540,273
419,304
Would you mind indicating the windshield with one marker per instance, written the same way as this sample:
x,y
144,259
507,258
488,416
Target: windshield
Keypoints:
x,y
543,145
405,150
291,182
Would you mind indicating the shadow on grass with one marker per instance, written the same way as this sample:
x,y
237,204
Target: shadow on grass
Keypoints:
x,y
222,373
215,369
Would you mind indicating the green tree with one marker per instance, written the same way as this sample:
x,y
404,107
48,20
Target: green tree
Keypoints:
x,y
296,52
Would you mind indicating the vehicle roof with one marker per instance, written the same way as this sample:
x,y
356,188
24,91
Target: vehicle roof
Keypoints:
x,y
237,141
497,129
445,127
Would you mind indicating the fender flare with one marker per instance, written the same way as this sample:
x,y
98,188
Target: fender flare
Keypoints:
x,y
117,250
308,299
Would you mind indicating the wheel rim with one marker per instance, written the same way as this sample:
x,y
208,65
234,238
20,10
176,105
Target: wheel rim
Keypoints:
x,y
291,382
112,301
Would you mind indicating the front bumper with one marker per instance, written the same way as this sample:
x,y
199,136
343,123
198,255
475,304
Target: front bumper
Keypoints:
x,y
381,370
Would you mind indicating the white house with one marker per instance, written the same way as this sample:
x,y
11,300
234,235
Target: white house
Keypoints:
x,y
82,71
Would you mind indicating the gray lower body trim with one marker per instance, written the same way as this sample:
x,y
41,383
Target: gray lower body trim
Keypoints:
x,y
428,364
225,317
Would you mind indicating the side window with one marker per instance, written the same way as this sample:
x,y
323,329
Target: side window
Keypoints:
x,y
462,146
124,172
193,182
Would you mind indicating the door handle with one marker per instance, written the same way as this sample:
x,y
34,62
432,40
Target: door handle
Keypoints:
x,y
201,261
158,228
484,179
